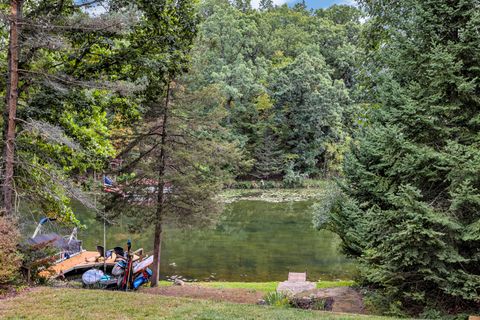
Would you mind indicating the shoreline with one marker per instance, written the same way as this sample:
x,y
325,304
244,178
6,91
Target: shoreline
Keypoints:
x,y
275,195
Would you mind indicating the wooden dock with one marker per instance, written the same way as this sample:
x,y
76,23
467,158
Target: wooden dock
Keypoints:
x,y
82,261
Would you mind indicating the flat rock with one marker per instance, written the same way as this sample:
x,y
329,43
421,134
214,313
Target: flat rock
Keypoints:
x,y
295,287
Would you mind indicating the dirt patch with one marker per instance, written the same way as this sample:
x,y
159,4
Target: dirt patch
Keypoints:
x,y
197,292
8,292
345,299
342,299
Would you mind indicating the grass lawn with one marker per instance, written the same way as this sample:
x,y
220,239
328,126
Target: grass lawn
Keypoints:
x,y
266,286
50,303
254,286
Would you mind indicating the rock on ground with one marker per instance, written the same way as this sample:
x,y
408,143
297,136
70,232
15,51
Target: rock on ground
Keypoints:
x,y
345,299
295,287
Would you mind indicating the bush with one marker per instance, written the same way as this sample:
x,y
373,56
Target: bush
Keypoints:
x,y
277,299
36,258
9,256
243,185
381,302
294,179
260,184
267,184
312,303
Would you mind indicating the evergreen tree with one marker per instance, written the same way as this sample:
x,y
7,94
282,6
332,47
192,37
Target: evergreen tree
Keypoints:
x,y
175,165
243,5
411,201
300,6
266,4
268,156
59,96
168,166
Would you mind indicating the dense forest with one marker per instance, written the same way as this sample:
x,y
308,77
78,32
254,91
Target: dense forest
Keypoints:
x,y
193,97
289,81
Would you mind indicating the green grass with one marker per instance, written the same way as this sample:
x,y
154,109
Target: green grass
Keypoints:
x,y
254,286
267,286
332,284
164,283
49,303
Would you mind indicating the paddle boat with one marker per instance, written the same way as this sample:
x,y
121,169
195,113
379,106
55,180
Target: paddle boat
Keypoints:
x,y
71,257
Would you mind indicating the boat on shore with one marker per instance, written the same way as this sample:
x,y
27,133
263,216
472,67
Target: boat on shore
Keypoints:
x,y
72,258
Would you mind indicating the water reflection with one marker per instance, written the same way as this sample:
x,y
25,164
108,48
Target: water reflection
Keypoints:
x,y
254,241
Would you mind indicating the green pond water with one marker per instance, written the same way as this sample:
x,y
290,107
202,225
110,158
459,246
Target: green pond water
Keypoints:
x,y
254,241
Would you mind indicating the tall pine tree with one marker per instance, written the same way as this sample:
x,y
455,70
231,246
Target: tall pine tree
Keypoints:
x,y
410,209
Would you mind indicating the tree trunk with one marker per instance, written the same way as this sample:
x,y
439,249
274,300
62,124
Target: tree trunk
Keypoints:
x,y
157,244
11,109
157,250
228,106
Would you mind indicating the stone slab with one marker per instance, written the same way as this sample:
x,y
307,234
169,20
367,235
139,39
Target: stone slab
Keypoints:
x,y
295,287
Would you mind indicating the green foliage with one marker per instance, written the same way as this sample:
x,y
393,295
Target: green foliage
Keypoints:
x,y
320,304
310,106
10,259
287,78
73,89
35,259
382,302
408,208
339,214
194,135
269,160
294,179
243,185
277,299
312,303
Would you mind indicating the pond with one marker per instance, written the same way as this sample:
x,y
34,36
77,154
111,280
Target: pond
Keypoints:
x,y
254,241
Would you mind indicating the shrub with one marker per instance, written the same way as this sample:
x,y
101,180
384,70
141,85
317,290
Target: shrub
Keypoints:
x,y
294,179
36,258
381,302
267,184
9,256
312,303
243,185
277,299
